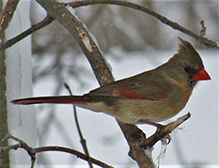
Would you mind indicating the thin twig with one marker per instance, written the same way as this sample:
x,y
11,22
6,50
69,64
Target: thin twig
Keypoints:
x,y
46,21
203,28
10,147
72,151
82,140
33,151
25,146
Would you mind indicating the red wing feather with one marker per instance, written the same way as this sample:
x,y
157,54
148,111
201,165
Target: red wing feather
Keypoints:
x,y
135,89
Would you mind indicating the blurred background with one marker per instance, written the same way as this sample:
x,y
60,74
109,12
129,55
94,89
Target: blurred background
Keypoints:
x,y
132,42
119,29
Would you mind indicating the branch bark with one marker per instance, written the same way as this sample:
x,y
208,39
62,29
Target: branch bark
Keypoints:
x,y
7,15
46,21
82,36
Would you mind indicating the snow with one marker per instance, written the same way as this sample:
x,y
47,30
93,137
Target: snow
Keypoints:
x,y
70,9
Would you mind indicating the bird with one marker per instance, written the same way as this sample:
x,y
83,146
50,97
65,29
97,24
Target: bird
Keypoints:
x,y
152,96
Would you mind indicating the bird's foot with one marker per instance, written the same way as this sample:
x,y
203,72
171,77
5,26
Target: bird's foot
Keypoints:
x,y
163,131
160,134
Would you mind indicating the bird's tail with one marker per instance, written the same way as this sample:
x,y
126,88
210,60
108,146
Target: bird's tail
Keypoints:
x,y
52,100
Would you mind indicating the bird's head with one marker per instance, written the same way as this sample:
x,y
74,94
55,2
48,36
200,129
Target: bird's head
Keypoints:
x,y
189,63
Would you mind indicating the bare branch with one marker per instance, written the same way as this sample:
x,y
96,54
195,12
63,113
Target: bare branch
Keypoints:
x,y
81,35
5,18
46,21
163,131
8,148
72,151
135,137
23,145
83,141
77,4
163,19
203,28
33,151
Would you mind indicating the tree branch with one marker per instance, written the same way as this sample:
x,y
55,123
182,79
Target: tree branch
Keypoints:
x,y
33,151
81,35
164,131
72,151
174,25
46,21
7,15
83,141
78,4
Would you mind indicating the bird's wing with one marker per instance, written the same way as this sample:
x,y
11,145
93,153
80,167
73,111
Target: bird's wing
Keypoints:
x,y
136,89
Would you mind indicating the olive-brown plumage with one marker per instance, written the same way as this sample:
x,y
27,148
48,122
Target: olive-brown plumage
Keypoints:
x,y
154,95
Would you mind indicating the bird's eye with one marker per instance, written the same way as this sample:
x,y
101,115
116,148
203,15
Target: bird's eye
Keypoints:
x,y
187,69
191,71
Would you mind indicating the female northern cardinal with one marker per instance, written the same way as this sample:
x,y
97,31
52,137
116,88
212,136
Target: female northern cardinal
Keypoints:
x,y
152,96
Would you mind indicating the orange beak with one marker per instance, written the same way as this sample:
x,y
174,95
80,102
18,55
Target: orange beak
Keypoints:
x,y
201,75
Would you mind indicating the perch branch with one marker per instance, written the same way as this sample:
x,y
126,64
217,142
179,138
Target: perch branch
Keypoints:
x,y
164,131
